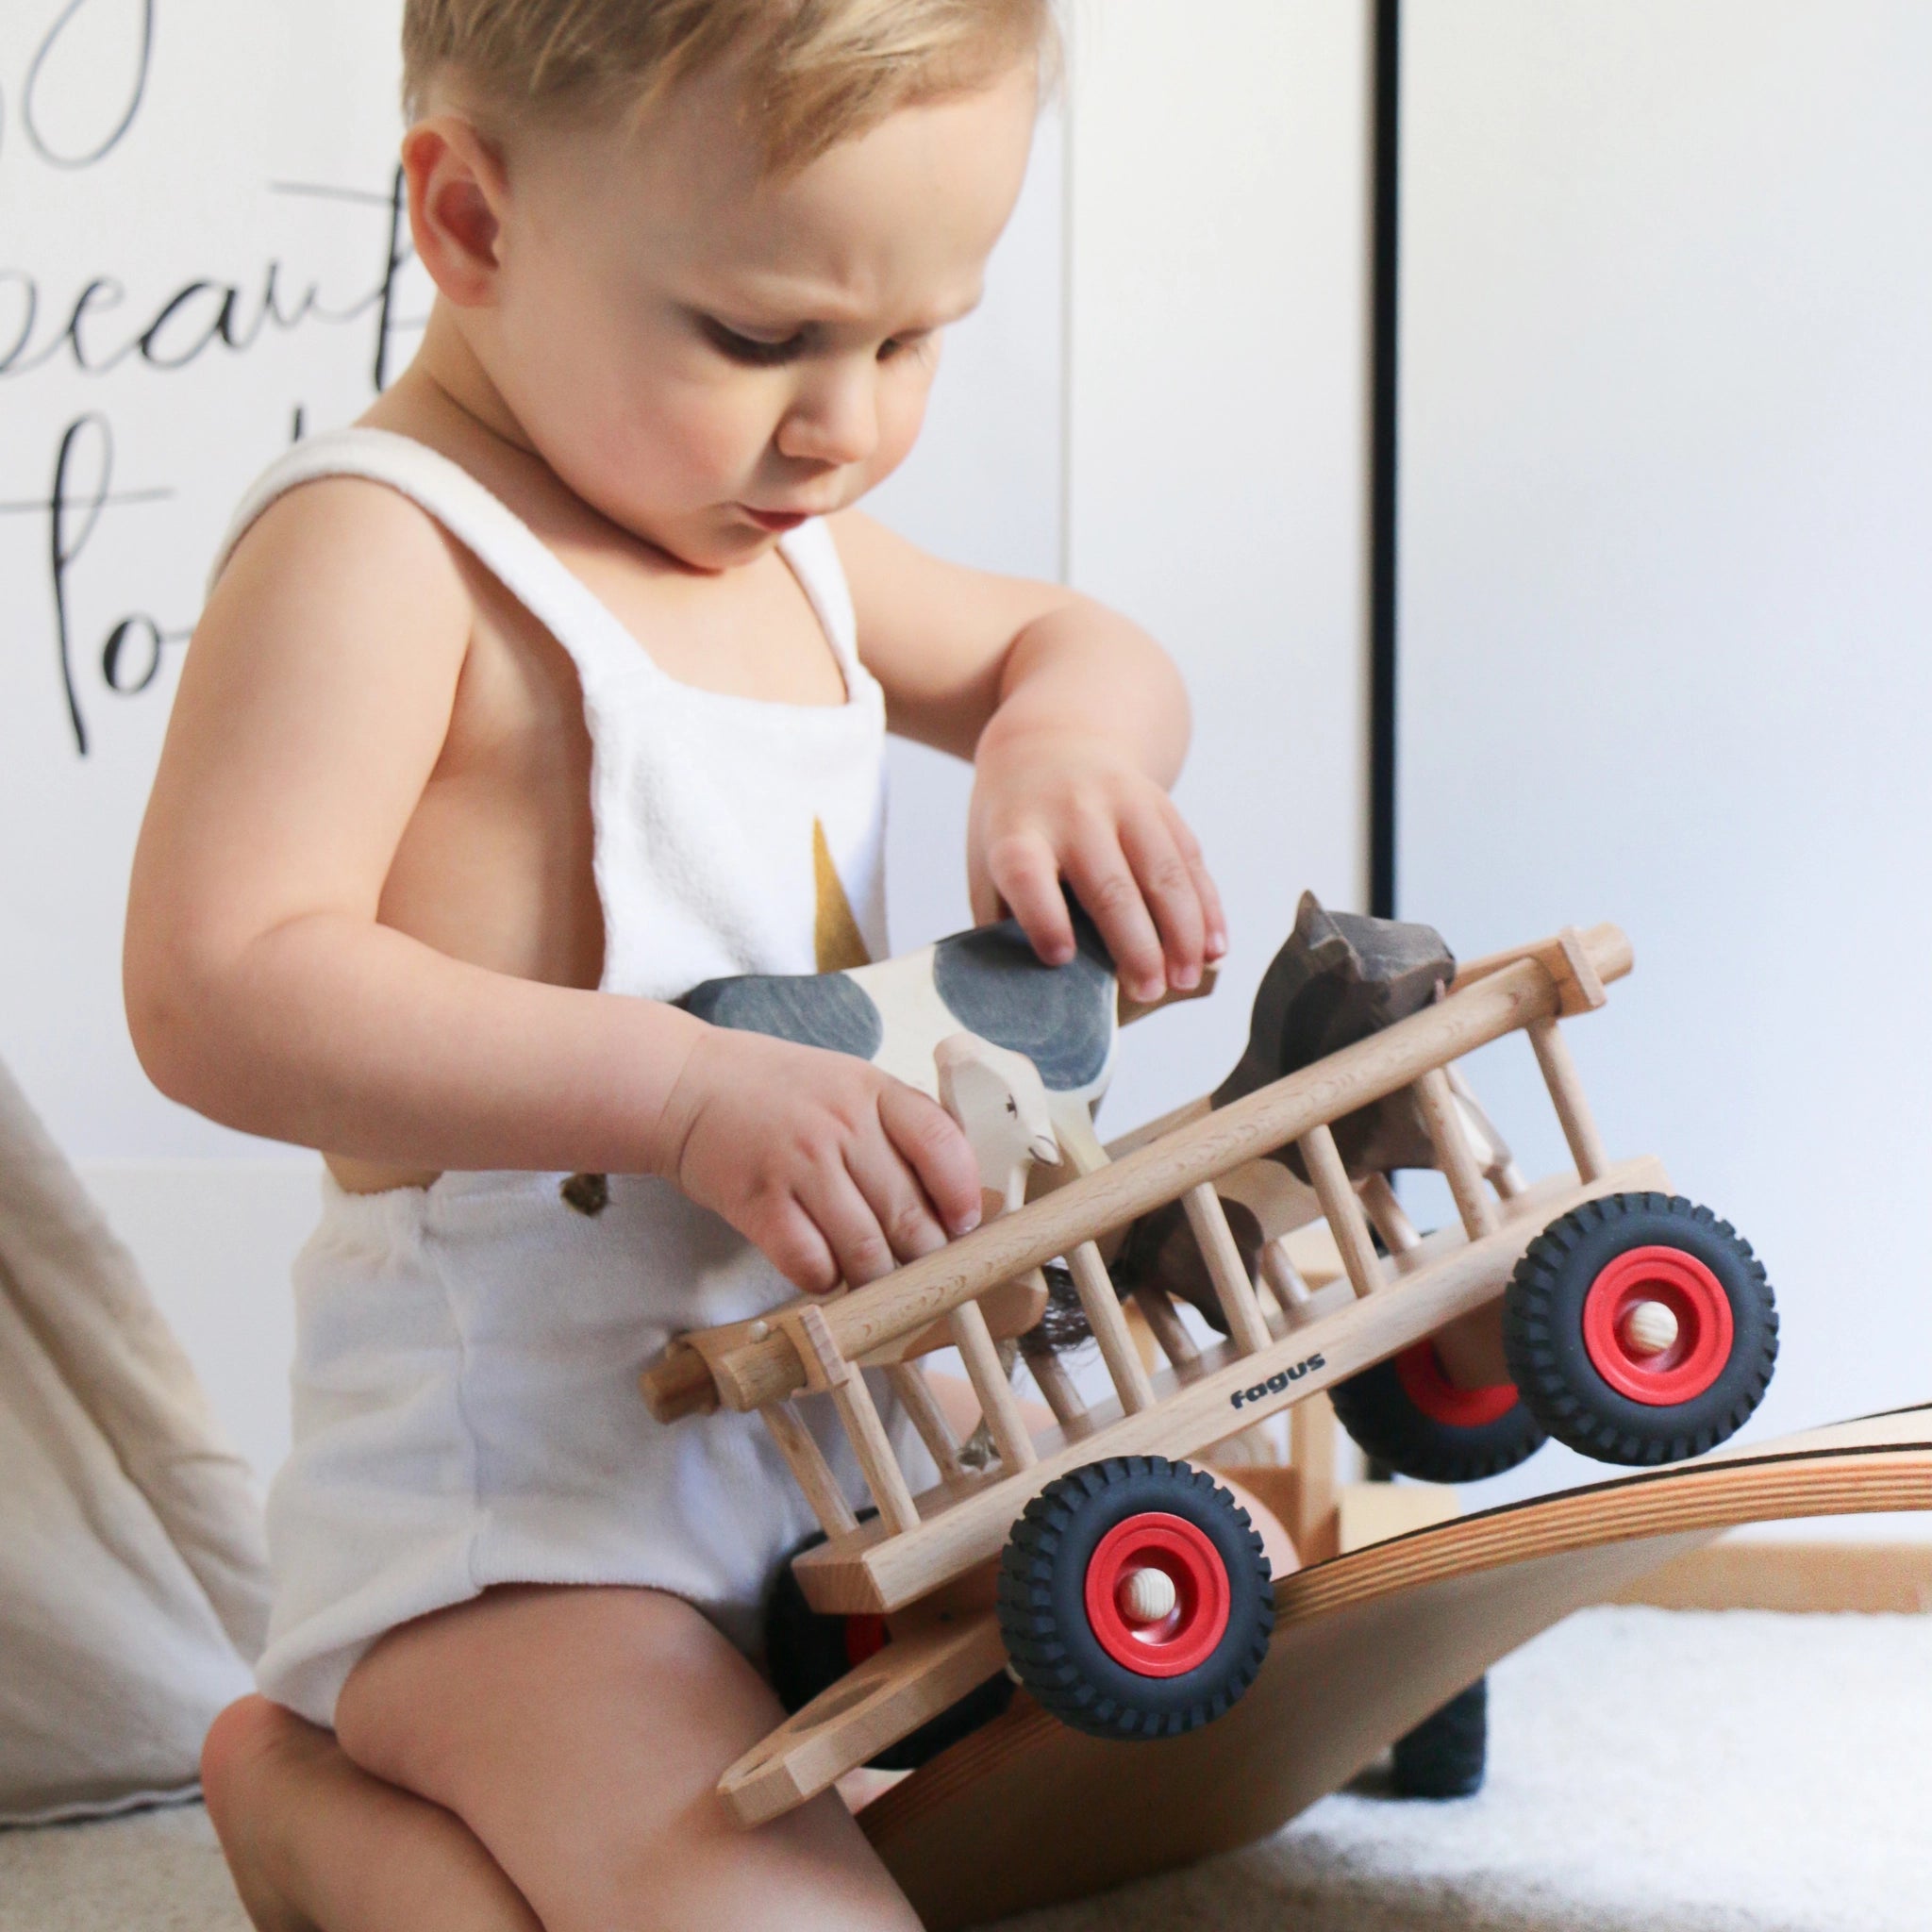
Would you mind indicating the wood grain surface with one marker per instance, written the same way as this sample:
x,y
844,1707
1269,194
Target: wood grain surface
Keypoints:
x,y
1026,1813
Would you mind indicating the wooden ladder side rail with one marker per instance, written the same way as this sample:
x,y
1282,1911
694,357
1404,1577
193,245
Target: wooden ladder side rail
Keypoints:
x,y
748,1371
871,1570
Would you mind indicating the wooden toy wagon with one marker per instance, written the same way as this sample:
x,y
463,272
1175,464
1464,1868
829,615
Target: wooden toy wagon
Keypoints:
x,y
1122,1587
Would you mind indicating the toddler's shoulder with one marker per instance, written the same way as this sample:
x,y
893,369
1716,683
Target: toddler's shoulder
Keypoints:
x,y
347,543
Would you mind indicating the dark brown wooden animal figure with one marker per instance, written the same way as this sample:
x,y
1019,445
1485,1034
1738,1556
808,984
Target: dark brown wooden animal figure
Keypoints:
x,y
1339,978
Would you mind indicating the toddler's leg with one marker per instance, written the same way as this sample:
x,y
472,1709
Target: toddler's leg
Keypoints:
x,y
579,1733
316,1845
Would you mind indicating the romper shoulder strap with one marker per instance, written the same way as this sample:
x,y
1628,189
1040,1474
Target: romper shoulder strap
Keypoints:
x,y
481,521
814,559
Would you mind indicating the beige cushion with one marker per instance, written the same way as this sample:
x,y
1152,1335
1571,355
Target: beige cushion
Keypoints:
x,y
132,1575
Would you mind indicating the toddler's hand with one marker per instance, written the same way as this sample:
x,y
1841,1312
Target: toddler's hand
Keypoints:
x,y
1048,804
835,1171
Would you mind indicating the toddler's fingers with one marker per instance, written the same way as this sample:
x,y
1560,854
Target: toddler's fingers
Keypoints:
x,y
791,1242
892,1193
937,1152
1100,875
1168,881
851,1229
1214,916
1022,866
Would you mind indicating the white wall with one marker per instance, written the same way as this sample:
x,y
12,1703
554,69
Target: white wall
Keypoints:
x,y
1666,594
1203,471
1216,412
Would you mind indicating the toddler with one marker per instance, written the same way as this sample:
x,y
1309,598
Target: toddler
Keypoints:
x,y
556,686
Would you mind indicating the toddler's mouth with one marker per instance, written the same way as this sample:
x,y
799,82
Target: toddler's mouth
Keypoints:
x,y
777,522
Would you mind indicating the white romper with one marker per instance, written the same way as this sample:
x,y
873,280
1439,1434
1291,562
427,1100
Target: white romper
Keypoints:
x,y
466,1402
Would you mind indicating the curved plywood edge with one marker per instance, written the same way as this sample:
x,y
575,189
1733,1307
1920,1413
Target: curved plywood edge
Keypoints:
x,y
1027,1812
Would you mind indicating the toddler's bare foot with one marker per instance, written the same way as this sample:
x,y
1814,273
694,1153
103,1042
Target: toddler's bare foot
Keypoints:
x,y
254,1749
316,1845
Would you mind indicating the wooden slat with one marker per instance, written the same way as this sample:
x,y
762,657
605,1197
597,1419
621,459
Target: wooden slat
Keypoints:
x,y
1057,1386
1586,1144
1225,1269
749,1372
1443,1121
893,1692
1342,1209
1103,1307
916,1397
1290,1289
1176,1344
808,1468
860,1416
1311,1442
995,1393
1396,1229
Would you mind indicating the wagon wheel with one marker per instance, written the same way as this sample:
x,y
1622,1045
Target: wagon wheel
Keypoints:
x,y
1447,1753
1641,1328
1133,1598
1406,1412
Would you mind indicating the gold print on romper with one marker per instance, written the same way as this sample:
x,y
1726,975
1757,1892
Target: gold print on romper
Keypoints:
x,y
837,939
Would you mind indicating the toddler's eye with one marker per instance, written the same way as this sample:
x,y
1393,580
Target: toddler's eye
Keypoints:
x,y
755,350
904,345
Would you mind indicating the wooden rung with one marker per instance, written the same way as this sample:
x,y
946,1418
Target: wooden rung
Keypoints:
x,y
1290,1289
860,1416
916,1397
1176,1344
808,1468
1498,1157
1384,1211
1566,1095
1227,1269
1055,1385
1450,1139
1342,1209
1110,1326
997,1404
1509,1181
1311,1432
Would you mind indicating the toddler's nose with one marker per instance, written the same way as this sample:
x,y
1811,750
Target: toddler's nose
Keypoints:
x,y
834,420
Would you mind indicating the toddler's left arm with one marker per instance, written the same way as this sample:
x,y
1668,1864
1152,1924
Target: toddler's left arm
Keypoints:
x,y
1075,722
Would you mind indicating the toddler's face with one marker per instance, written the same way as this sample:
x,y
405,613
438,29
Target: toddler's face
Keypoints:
x,y
708,357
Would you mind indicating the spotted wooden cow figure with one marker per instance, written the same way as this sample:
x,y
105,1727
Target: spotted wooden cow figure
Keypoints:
x,y
989,982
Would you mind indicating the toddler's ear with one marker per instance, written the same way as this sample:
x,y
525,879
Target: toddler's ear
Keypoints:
x,y
458,189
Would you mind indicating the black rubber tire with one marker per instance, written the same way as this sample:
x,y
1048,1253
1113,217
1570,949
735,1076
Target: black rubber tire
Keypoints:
x,y
1447,1753
1042,1600
1542,1330
806,1653
1386,1424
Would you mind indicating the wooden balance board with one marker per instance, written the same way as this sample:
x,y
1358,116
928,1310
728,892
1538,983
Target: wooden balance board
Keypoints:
x,y
1027,1813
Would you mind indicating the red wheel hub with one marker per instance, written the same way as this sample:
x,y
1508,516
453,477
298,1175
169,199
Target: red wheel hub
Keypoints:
x,y
1693,1359
1185,1637
1426,1384
865,1636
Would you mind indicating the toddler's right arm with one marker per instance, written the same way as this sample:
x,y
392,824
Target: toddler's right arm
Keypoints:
x,y
265,990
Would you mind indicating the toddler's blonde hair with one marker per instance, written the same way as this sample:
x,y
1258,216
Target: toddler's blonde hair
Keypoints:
x,y
815,72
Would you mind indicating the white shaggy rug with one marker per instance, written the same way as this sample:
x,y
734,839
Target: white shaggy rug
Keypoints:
x,y
1650,1772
